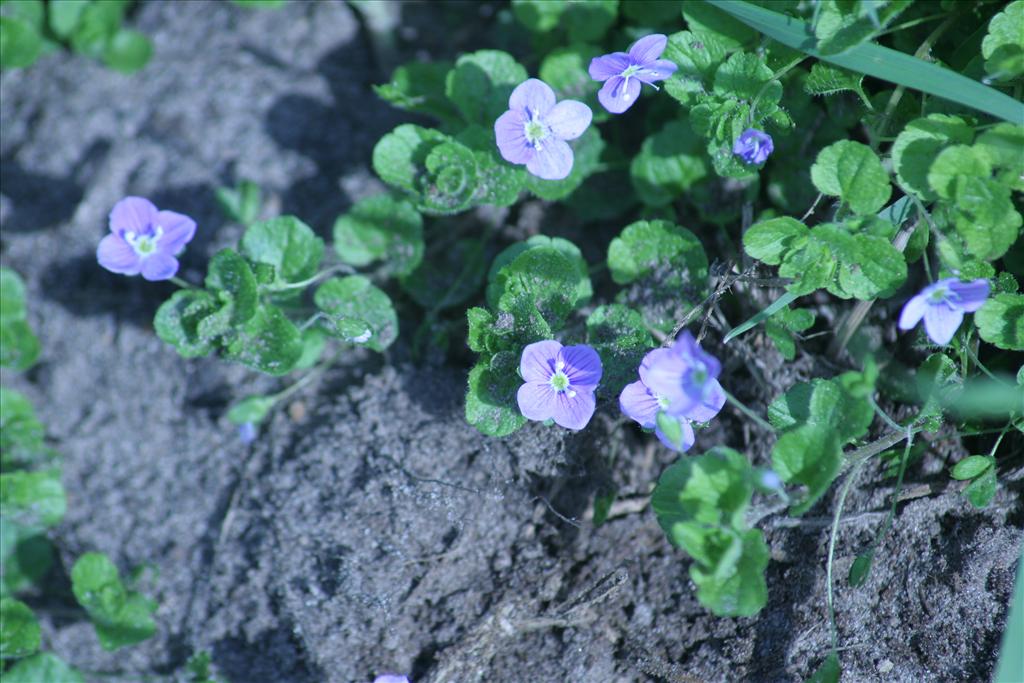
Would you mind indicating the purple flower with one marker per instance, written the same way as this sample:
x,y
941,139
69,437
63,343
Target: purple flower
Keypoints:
x,y
144,240
684,378
942,305
534,130
560,383
624,73
753,146
641,403
391,678
247,433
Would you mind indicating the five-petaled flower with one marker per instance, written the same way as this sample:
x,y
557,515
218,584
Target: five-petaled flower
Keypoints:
x,y
687,389
942,305
753,146
534,130
624,73
560,382
144,240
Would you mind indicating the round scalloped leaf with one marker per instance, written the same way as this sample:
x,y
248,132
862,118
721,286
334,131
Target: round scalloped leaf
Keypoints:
x,y
19,630
381,227
287,244
854,173
358,311
481,82
1001,321
669,163
953,162
268,342
491,404
1003,46
919,143
42,666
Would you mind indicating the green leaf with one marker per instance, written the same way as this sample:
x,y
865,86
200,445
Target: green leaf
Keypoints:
x,y
707,21
399,156
919,143
452,181
378,228
539,16
621,338
19,346
776,305
860,569
1003,46
826,79
498,182
98,24
241,203
586,160
842,25
19,630
697,57
128,51
981,491
481,82
287,244
479,322
782,326
828,403
64,15
828,672
21,433
771,240
1001,321
496,279
745,76
736,587
20,43
565,69
12,296
420,87
120,617
314,340
651,12
953,163
671,428
27,557
542,281
177,321
43,666
868,266
972,466
589,21
669,163
268,342
34,500
852,172
230,277
697,492
355,298
490,400
809,455
251,409
449,278
1001,145
879,62
985,217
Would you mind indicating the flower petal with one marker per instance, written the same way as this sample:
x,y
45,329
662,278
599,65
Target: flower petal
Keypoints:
x,y
159,266
553,161
658,70
582,366
941,321
574,412
604,67
714,399
912,312
664,371
971,295
648,48
662,359
510,134
638,403
534,95
618,94
569,119
178,229
132,214
688,437
537,363
691,352
536,401
118,256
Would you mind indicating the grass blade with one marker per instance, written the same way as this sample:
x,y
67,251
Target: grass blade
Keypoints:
x,y
879,62
783,301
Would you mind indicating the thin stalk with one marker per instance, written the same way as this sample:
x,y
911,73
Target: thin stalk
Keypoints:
x,y
747,411
184,284
339,268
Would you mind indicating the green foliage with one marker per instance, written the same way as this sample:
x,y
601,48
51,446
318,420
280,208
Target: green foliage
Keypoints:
x,y
448,278
852,172
357,312
583,21
32,500
700,503
19,630
665,266
980,471
825,79
843,25
1000,321
120,616
669,163
268,342
849,259
490,399
42,666
1003,46
815,419
251,409
177,322
620,336
480,84
381,228
241,203
497,275
287,244
782,328
917,146
19,346
420,88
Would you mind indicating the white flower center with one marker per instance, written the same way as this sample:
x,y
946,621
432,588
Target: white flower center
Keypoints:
x,y
144,245
535,131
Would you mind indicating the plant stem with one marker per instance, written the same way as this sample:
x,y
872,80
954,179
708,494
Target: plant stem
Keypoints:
x,y
747,411
184,284
339,268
